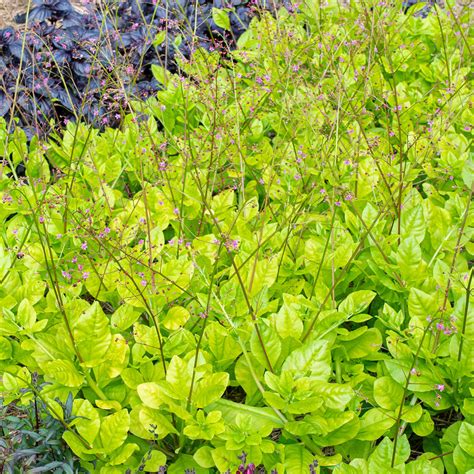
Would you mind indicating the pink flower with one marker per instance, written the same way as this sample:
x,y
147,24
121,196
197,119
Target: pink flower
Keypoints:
x,y
85,275
440,387
143,283
41,219
84,246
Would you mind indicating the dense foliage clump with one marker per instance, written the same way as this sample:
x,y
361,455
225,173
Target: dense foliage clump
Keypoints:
x,y
266,267
87,64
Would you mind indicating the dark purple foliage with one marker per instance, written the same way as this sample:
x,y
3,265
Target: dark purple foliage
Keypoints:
x,y
83,64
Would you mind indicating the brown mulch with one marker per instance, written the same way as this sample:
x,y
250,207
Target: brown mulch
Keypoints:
x,y
9,8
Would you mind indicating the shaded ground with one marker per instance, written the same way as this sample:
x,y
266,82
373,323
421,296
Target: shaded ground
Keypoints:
x,y
9,8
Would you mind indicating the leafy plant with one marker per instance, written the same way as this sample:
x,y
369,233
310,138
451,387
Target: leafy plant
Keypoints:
x,y
31,440
273,255
87,64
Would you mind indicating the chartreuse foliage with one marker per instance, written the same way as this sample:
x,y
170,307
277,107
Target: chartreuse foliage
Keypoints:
x,y
271,256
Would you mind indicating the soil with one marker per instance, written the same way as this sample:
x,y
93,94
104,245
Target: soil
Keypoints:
x,y
10,8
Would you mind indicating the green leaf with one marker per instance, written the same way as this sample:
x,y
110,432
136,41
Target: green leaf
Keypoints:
x,y
114,429
132,378
368,342
260,416
159,38
92,335
424,426
388,393
356,302
381,459
26,314
5,348
422,465
186,462
466,438
423,381
409,260
156,421
462,460
297,459
179,376
221,18
257,128
76,445
152,394
124,317
221,344
373,424
262,275
87,422
413,223
154,460
421,304
411,414
313,359
203,456
271,349
122,454
176,317
343,433
209,389
63,372
288,323
244,375
159,73
336,396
